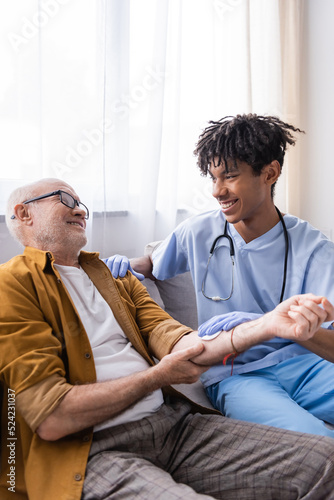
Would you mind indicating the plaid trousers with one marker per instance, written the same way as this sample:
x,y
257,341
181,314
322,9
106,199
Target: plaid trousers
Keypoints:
x,y
175,454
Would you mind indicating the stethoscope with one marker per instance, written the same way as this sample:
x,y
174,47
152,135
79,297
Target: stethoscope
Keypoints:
x,y
217,298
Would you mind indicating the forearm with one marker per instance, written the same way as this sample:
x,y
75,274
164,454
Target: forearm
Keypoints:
x,y
88,405
245,336
298,318
321,344
143,265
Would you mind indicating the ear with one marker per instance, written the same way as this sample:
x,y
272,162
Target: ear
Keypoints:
x,y
22,212
271,172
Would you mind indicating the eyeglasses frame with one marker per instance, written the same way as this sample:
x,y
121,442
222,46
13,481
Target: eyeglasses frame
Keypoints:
x,y
54,193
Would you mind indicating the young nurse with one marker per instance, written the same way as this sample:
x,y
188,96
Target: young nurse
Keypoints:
x,y
244,259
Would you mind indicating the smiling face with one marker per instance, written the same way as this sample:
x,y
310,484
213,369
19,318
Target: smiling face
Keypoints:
x,y
51,225
245,198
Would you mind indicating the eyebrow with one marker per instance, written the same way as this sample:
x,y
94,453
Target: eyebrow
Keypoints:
x,y
224,172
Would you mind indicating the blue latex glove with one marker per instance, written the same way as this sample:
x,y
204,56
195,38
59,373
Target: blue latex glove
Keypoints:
x,y
211,328
119,265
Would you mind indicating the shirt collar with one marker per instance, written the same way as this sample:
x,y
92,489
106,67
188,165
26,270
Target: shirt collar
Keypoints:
x,y
45,258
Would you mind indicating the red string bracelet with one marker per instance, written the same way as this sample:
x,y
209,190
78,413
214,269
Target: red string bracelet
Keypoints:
x,y
233,354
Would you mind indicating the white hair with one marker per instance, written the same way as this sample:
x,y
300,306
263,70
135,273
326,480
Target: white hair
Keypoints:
x,y
20,195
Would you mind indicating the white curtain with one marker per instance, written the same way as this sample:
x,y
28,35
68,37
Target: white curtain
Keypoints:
x,y
111,96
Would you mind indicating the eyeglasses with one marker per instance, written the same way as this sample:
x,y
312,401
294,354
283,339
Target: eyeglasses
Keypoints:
x,y
65,198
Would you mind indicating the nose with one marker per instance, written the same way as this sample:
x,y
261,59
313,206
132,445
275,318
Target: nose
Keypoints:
x,y
219,189
81,210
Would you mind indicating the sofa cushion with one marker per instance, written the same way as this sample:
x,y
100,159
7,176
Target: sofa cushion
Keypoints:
x,y
177,294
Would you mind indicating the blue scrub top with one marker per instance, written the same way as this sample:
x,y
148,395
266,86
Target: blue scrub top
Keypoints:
x,y
258,275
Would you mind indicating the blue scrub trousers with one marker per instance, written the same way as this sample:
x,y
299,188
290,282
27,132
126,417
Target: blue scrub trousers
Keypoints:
x,y
296,394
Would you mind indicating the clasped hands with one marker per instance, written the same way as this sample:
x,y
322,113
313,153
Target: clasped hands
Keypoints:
x,y
299,317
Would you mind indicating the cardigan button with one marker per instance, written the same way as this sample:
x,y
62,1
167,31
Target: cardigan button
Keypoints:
x,y
87,355
78,477
86,438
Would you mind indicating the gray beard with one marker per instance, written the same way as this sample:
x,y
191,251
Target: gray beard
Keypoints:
x,y
50,236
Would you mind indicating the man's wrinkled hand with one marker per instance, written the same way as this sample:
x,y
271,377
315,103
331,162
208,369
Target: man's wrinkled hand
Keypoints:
x,y
177,367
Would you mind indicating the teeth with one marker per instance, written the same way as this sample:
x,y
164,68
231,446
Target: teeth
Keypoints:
x,y
227,205
75,224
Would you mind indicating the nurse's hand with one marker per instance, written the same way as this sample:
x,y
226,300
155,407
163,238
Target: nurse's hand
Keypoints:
x,y
300,317
119,265
224,322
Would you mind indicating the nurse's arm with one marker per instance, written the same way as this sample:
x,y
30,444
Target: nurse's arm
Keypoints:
x,y
298,318
244,336
322,344
143,265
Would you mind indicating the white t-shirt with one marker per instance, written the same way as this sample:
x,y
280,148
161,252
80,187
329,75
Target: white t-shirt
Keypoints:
x,y
114,355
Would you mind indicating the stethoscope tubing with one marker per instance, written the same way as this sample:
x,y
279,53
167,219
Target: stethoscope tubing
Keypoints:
x,y
232,253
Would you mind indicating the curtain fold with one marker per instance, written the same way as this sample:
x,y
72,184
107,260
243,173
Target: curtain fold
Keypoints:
x,y
291,15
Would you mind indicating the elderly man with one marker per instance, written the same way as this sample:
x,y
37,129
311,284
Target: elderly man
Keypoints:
x,y
77,366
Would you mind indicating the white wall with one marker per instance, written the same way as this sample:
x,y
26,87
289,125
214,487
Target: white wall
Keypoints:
x,y
317,105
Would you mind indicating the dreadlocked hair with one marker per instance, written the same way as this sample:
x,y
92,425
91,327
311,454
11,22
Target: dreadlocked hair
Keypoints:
x,y
256,140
